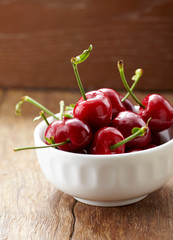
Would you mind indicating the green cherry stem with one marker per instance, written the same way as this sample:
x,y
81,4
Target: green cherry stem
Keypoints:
x,y
121,70
34,102
135,78
136,132
44,118
46,146
79,81
68,115
79,59
82,57
42,115
62,106
70,107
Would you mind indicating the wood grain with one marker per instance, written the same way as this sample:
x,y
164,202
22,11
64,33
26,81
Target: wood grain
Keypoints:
x,y
32,209
38,39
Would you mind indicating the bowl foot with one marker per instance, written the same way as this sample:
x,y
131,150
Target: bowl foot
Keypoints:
x,y
112,203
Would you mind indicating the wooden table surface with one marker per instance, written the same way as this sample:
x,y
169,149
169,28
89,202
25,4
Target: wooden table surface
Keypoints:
x,y
31,208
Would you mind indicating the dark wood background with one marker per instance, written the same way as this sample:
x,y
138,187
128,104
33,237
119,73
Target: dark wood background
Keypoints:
x,y
39,37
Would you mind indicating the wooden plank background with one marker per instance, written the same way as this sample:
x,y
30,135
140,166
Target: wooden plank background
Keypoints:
x,y
38,39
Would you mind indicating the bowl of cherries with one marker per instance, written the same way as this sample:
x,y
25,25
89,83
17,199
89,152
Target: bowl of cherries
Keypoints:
x,y
103,150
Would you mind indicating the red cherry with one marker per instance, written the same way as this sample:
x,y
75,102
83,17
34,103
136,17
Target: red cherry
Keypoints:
x,y
96,111
159,110
127,104
103,139
125,122
51,129
117,105
150,146
140,149
75,130
156,138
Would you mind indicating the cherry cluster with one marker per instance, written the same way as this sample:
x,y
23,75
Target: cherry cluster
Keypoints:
x,y
98,124
105,122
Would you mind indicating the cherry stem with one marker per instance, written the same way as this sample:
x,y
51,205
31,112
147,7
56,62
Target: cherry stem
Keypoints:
x,y
140,132
46,146
135,78
68,115
34,102
79,81
121,70
76,60
44,118
70,107
62,106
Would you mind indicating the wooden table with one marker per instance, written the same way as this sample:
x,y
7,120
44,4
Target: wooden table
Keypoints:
x,y
31,208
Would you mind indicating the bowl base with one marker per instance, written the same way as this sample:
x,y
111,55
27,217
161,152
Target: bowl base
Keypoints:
x,y
112,203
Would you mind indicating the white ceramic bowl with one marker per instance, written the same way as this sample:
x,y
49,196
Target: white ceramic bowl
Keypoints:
x,y
107,180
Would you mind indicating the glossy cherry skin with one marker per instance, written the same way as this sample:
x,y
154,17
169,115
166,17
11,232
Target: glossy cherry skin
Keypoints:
x,y
51,129
117,105
125,122
159,110
103,139
96,111
78,132
127,104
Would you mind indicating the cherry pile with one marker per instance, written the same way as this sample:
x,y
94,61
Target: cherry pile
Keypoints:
x,y
105,122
